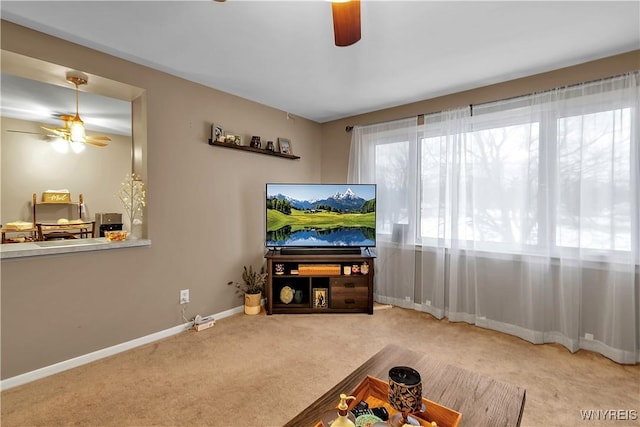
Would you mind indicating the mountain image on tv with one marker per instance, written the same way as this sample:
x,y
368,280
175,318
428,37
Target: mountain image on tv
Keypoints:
x,y
316,215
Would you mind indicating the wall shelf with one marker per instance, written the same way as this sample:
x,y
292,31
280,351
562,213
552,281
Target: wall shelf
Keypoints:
x,y
253,150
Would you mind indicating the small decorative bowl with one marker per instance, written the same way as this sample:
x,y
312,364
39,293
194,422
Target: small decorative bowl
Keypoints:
x,y
115,235
368,420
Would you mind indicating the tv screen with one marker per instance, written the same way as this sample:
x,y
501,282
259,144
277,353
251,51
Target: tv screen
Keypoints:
x,y
320,215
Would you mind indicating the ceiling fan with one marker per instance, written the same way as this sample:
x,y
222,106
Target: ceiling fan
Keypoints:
x,y
346,21
73,131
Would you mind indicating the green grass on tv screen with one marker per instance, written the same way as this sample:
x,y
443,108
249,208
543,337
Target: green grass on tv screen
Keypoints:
x,y
300,220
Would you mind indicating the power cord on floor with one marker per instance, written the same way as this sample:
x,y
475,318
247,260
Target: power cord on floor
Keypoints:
x,y
184,314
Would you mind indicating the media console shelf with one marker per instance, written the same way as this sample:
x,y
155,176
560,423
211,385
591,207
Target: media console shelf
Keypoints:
x,y
317,283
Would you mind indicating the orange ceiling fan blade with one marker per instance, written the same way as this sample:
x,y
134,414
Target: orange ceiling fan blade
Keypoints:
x,y
346,22
23,131
57,131
98,138
96,143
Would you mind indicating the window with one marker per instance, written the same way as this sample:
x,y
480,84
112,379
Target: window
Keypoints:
x,y
533,201
594,183
393,179
529,179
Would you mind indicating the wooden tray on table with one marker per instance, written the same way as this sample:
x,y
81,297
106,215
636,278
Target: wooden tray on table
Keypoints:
x,y
375,392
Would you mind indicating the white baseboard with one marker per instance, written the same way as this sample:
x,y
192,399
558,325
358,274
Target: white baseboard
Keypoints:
x,y
105,352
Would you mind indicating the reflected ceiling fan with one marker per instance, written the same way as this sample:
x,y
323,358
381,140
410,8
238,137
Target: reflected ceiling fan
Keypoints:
x,y
346,21
73,132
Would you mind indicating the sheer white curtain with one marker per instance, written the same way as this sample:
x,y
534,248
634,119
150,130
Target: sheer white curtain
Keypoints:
x,y
524,216
384,154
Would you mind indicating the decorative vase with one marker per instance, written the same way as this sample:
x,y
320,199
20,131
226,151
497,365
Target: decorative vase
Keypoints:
x,y
136,230
256,142
297,297
252,303
270,146
405,395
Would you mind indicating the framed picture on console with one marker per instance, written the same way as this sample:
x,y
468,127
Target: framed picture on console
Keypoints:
x,y
285,145
320,298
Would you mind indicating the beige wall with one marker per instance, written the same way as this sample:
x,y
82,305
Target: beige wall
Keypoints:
x,y
335,154
205,216
205,219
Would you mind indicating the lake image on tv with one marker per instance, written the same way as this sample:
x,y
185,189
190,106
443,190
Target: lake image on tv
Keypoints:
x,y
321,215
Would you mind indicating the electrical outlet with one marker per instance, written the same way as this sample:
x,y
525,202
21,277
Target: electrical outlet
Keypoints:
x,y
588,336
184,296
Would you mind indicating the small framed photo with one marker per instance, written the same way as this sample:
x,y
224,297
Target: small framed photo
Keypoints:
x,y
285,145
233,139
320,298
217,133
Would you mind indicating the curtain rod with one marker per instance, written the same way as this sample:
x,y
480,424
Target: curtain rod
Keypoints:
x,y
421,116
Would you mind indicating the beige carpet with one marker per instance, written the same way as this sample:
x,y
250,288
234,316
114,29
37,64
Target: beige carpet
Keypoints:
x,y
263,370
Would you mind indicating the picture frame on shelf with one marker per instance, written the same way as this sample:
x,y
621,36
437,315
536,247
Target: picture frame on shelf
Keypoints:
x,y
320,298
217,133
233,139
284,145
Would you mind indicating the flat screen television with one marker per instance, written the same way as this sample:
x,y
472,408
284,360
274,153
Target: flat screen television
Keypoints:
x,y
320,216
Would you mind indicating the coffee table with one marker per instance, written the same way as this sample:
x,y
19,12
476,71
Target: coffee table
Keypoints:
x,y
481,400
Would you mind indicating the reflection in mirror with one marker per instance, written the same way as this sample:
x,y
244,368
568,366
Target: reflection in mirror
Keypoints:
x,y
31,164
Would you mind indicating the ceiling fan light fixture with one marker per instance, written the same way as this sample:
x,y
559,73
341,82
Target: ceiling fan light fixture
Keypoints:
x,y
77,147
74,134
60,146
346,22
78,133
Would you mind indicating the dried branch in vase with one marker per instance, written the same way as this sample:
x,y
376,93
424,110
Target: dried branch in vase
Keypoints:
x,y
132,196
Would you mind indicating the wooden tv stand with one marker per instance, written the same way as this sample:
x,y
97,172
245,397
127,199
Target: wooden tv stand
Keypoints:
x,y
319,283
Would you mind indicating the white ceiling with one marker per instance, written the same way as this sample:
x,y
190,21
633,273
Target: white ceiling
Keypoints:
x,y
282,54
32,100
